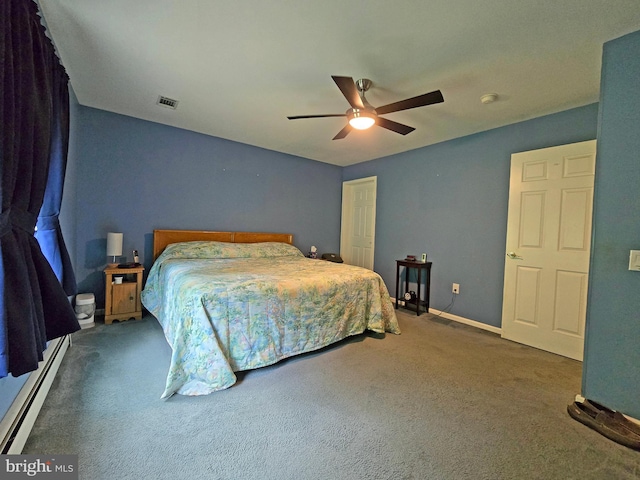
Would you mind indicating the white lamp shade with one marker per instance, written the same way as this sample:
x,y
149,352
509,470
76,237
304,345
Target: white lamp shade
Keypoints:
x,y
114,244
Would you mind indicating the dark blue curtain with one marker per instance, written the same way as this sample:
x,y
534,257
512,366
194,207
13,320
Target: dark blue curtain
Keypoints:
x,y
34,307
48,231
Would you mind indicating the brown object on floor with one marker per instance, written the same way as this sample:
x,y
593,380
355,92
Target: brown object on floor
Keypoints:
x,y
609,423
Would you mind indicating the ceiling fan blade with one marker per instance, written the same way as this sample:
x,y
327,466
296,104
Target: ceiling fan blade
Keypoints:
x,y
343,133
348,88
296,117
414,102
394,126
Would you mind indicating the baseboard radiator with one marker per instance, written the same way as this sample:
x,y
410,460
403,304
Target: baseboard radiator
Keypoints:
x,y
16,425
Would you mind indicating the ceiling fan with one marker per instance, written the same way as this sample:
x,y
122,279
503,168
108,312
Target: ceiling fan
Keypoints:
x,y
363,115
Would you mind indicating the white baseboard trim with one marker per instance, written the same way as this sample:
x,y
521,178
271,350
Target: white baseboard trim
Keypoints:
x,y
466,321
19,419
456,318
631,419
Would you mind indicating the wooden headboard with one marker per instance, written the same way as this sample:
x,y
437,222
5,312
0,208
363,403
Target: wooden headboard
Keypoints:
x,y
162,238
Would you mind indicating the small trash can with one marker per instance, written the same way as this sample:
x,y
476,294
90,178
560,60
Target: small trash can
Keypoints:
x,y
85,309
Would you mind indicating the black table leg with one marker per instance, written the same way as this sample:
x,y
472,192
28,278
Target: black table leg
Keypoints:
x,y
418,292
397,280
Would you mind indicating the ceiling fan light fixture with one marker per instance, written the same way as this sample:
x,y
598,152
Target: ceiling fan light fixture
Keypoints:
x,y
362,115
361,119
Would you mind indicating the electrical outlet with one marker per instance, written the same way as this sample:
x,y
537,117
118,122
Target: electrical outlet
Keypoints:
x,y
424,257
456,288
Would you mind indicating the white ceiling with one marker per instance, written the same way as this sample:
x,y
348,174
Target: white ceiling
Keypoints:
x,y
239,68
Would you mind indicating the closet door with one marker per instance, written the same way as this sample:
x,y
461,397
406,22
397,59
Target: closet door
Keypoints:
x,y
358,228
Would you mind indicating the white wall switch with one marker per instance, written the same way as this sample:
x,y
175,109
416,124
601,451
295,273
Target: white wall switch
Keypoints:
x,y
634,260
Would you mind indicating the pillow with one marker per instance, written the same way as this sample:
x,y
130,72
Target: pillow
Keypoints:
x,y
201,249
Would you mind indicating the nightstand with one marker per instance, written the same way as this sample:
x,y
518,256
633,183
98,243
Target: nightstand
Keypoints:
x,y
420,266
122,300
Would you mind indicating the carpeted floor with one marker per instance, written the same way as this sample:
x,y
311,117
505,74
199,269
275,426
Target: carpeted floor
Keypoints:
x,y
440,401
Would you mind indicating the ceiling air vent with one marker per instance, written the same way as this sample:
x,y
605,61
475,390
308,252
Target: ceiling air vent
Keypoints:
x,y
167,102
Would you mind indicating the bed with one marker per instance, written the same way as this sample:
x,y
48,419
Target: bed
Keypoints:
x,y
234,301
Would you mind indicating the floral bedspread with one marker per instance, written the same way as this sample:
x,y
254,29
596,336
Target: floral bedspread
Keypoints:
x,y
228,307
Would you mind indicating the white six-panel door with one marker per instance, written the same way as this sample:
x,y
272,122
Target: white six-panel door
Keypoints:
x,y
548,247
358,229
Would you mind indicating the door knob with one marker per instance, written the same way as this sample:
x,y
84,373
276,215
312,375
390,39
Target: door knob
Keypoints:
x,y
514,256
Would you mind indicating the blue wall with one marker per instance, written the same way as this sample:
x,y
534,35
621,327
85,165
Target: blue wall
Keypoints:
x,y
611,372
135,176
450,201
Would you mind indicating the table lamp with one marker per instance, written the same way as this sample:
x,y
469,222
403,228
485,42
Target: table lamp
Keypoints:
x,y
114,247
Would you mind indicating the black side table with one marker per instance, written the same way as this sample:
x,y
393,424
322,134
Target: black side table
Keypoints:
x,y
420,266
